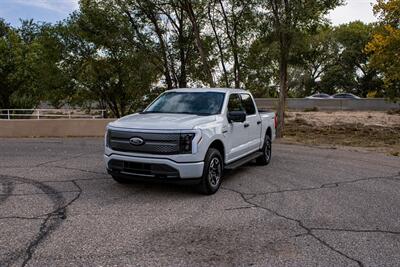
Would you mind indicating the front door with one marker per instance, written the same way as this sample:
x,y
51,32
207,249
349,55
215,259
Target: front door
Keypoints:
x,y
236,135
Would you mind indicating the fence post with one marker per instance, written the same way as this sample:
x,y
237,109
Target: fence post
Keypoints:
x,y
8,114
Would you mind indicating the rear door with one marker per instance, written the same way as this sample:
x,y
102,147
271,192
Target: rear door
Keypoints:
x,y
253,124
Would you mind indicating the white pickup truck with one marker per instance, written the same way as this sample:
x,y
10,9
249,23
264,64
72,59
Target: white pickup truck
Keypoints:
x,y
190,135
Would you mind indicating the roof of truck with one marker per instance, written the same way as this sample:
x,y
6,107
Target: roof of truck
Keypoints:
x,y
221,90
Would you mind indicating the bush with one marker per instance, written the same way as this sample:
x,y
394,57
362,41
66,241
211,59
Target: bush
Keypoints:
x,y
393,112
314,109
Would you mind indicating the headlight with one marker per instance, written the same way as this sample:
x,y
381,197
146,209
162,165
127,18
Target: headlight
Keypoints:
x,y
185,143
107,138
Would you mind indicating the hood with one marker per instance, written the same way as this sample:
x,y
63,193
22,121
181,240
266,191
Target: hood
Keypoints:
x,y
164,121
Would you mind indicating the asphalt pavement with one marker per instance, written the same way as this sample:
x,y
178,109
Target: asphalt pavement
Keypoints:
x,y
309,207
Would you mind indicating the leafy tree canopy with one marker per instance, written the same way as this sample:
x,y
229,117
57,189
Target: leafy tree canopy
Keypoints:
x,y
384,48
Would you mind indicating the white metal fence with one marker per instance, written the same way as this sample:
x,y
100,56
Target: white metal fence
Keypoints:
x,y
9,114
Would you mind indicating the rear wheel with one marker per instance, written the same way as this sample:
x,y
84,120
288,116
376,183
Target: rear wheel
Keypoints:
x,y
267,152
212,173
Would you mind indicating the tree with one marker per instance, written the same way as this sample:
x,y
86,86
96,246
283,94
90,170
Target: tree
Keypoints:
x,y
313,54
233,23
332,60
19,56
287,18
103,58
194,18
351,39
261,68
385,46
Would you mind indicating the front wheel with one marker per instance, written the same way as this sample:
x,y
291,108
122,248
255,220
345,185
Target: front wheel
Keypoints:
x,y
212,173
265,158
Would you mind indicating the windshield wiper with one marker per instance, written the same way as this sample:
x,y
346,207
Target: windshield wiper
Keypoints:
x,y
194,113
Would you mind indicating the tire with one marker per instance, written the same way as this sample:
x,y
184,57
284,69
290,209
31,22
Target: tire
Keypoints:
x,y
267,152
120,179
212,173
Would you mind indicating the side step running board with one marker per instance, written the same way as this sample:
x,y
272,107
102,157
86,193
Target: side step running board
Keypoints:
x,y
242,161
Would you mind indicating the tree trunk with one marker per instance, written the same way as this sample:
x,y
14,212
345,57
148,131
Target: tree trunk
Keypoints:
x,y
183,75
233,42
182,52
283,82
220,49
199,44
167,72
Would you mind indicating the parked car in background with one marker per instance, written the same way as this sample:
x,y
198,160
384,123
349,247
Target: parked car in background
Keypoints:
x,y
345,96
319,96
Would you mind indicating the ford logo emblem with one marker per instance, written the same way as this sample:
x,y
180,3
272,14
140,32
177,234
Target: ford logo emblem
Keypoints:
x,y
136,141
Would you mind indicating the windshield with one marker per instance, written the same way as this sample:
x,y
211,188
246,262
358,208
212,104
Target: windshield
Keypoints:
x,y
197,103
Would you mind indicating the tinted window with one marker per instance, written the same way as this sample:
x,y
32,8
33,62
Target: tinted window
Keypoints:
x,y
248,105
201,103
234,103
322,95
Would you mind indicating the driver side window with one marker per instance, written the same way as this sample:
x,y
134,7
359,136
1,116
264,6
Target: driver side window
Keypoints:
x,y
235,103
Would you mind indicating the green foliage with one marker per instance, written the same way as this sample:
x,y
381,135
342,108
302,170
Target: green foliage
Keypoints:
x,y
385,46
332,60
261,68
19,56
119,54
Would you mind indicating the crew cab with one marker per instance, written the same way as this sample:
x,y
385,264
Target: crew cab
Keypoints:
x,y
190,135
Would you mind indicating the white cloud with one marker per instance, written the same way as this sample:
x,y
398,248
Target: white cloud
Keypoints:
x,y
54,5
353,10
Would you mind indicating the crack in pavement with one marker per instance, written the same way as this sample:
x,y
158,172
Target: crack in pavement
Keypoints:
x,y
66,181
309,230
58,160
355,230
299,223
46,162
42,193
240,208
76,169
45,229
50,221
21,218
395,177
8,188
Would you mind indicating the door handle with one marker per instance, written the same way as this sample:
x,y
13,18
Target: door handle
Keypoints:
x,y
258,122
246,125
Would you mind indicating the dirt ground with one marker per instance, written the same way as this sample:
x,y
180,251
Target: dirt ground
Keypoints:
x,y
371,131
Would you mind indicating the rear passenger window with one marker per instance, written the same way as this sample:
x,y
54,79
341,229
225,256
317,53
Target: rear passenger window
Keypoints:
x,y
234,103
248,104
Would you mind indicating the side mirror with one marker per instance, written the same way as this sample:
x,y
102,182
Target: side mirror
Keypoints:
x,y
237,116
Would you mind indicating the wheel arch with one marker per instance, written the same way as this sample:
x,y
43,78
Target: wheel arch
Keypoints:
x,y
218,145
269,132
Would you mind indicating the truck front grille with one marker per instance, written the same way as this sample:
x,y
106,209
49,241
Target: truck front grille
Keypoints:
x,y
153,143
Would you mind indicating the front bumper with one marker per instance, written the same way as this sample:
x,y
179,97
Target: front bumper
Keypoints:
x,y
152,167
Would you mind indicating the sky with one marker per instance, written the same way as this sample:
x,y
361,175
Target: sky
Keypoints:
x,y
55,10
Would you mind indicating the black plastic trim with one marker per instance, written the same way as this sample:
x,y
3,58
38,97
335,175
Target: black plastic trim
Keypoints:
x,y
178,162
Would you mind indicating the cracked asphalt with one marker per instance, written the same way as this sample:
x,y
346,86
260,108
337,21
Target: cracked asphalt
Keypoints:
x,y
309,207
